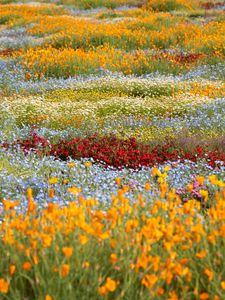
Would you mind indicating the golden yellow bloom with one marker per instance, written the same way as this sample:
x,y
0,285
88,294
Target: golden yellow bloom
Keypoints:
x,y
83,239
48,297
67,251
156,172
222,285
47,240
167,168
86,265
204,194
88,164
74,190
53,180
201,254
71,164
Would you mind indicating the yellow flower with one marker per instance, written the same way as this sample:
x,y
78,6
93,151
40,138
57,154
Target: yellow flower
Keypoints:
x,y
201,254
48,297
83,239
88,164
204,194
110,284
222,285
71,164
67,251
167,168
86,265
156,172
53,180
74,190
65,269
47,240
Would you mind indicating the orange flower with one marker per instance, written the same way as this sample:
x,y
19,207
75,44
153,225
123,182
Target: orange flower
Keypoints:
x,y
222,285
149,280
83,239
86,265
110,284
209,274
65,270
118,180
48,297
12,269
102,290
200,180
27,266
204,296
67,251
147,186
113,258
29,194
35,259
9,204
74,190
51,193
4,286
201,254
160,291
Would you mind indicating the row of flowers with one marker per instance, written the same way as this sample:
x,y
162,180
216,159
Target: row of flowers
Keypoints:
x,y
112,151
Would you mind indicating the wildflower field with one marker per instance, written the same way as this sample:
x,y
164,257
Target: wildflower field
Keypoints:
x,y
112,150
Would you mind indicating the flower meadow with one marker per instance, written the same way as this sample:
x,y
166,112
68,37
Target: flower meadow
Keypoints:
x,y
112,149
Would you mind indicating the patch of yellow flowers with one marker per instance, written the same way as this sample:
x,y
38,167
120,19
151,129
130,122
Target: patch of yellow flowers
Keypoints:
x,y
167,249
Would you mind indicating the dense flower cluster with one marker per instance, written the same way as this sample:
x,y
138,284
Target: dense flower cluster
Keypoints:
x,y
118,153
162,254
